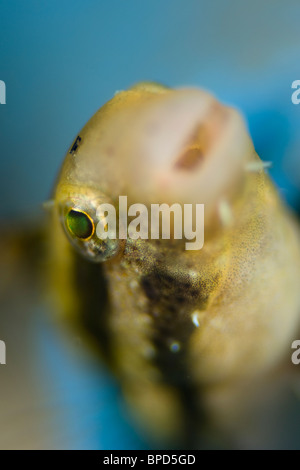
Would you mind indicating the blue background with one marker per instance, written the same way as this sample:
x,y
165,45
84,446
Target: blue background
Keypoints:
x,y
61,60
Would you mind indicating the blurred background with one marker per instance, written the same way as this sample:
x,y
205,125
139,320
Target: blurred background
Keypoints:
x,y
61,60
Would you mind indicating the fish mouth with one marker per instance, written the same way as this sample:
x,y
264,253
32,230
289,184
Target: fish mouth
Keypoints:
x,y
203,138
186,148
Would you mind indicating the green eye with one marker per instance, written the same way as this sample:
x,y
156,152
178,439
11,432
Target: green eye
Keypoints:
x,y
80,224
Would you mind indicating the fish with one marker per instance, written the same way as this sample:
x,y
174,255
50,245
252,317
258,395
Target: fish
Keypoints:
x,y
193,336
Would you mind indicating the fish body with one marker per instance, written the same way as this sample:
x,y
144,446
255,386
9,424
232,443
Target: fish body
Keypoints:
x,y
187,332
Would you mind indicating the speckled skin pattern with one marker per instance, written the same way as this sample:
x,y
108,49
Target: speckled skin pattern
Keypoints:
x,y
186,332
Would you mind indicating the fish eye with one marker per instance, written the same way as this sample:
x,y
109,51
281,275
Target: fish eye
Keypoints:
x,y
80,224
80,218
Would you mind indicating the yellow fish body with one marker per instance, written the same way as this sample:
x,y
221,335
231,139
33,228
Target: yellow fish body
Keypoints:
x,y
186,331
